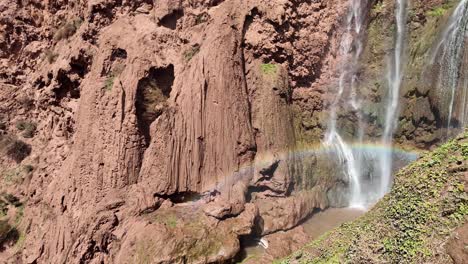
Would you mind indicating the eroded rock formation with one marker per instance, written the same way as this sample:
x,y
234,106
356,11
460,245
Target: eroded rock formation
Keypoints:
x,y
154,125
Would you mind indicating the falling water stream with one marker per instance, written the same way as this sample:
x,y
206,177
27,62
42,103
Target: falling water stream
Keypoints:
x,y
347,99
394,78
369,170
350,50
450,50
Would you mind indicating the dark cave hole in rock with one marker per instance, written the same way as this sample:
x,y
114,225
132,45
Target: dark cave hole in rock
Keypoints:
x,y
182,197
115,64
170,20
69,80
80,65
253,191
152,94
215,2
118,53
66,87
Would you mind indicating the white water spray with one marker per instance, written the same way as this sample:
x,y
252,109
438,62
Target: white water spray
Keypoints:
x,y
452,48
394,79
350,50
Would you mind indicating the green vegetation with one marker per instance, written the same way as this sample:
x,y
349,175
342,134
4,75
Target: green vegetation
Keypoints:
x,y
8,231
191,52
201,18
16,175
27,127
440,10
427,202
168,220
268,68
116,71
186,224
379,7
14,148
109,83
50,56
68,29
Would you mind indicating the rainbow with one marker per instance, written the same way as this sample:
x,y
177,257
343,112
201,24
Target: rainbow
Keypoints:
x,y
264,159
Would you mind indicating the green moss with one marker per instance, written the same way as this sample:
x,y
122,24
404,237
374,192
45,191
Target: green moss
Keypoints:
x,y
169,220
68,29
144,251
28,128
440,11
116,71
16,175
426,204
268,68
109,83
191,52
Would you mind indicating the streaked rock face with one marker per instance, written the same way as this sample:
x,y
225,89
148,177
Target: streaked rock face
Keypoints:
x,y
192,109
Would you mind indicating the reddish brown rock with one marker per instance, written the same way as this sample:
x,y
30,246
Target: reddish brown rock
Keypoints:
x,y
140,104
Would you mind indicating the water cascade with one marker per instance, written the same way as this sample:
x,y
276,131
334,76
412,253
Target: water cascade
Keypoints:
x,y
367,182
350,50
394,78
450,54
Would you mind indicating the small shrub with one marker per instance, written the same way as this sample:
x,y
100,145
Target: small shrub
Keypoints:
x,y
7,232
18,150
26,102
379,7
28,168
109,83
201,18
12,176
5,141
67,30
50,56
440,10
268,68
190,53
11,199
28,128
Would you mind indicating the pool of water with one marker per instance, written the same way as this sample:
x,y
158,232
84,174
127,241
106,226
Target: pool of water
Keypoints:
x,y
326,220
316,225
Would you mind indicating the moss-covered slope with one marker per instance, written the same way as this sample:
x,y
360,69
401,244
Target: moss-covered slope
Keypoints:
x,y
413,223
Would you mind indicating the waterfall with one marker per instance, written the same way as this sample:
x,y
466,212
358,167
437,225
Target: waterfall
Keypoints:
x,y
394,79
350,51
451,51
356,163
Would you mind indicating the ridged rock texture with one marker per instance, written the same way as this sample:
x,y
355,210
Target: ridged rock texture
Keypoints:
x,y
164,131
151,120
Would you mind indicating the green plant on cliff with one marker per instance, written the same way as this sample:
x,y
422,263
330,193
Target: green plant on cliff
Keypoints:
x,y
68,29
268,68
9,221
16,175
428,201
14,148
191,52
109,83
50,56
28,128
115,72
441,10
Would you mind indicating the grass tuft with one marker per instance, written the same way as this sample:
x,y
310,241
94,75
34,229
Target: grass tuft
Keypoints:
x,y
268,68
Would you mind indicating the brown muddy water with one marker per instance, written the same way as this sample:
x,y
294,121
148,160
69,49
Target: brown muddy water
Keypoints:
x,y
316,225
